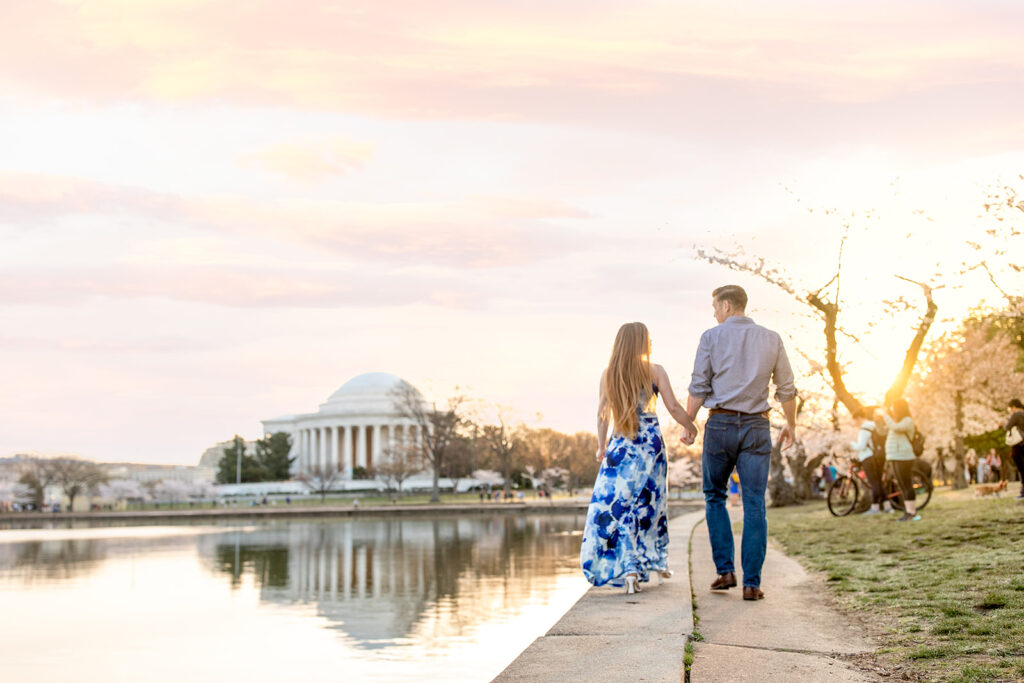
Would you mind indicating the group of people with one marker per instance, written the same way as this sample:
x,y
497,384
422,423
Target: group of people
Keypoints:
x,y
887,435
983,470
625,540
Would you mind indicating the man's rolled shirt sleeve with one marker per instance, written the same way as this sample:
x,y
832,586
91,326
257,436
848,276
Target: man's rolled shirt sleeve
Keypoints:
x,y
782,375
700,382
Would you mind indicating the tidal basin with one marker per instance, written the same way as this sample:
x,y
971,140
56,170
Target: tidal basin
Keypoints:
x,y
430,598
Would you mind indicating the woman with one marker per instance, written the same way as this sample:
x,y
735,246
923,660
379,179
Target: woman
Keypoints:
x,y
1016,424
626,534
994,464
870,462
971,461
900,452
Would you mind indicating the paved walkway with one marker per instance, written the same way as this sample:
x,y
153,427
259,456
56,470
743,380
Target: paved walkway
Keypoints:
x,y
609,636
792,635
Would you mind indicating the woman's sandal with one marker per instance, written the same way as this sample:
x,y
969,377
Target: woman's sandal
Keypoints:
x,y
662,575
631,584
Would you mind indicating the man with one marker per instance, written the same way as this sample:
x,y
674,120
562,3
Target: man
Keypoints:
x,y
734,363
1016,410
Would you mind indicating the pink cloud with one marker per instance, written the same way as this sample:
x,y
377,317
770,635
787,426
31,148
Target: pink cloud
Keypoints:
x,y
310,160
489,60
236,287
475,233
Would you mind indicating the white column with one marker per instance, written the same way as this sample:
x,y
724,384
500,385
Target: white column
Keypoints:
x,y
347,449
335,465
311,450
360,446
294,453
303,450
377,445
323,448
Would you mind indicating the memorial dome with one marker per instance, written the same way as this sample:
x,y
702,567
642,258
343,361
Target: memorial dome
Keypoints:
x,y
372,392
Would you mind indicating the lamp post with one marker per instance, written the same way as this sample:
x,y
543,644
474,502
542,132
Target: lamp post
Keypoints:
x,y
238,461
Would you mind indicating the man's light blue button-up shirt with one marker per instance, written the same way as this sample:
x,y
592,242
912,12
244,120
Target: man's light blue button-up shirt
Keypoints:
x,y
734,364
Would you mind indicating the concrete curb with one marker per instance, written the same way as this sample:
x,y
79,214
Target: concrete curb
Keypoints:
x,y
610,636
561,507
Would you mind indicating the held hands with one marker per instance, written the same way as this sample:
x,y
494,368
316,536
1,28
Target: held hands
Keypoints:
x,y
689,435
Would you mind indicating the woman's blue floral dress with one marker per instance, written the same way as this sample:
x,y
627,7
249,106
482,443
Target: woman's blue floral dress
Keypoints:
x,y
627,527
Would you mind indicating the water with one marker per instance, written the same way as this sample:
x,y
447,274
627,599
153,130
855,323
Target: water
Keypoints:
x,y
385,599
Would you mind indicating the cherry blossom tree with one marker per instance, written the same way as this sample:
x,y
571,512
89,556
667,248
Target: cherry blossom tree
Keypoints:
x,y
202,490
172,491
13,492
970,375
121,490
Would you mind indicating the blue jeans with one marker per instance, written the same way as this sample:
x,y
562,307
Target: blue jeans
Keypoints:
x,y
742,442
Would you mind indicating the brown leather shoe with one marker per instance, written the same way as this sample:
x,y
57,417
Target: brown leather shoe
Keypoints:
x,y
724,582
751,593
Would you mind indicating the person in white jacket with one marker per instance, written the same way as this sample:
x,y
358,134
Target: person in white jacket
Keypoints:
x,y
872,463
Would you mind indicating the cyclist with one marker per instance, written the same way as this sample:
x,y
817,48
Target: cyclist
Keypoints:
x,y
872,459
899,450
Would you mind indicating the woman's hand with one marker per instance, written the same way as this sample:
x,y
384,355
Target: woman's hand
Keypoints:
x,y
600,454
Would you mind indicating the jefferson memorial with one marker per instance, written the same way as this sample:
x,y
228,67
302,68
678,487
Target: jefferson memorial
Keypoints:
x,y
357,426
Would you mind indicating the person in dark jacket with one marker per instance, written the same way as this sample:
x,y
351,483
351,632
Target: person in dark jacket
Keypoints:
x,y
1016,410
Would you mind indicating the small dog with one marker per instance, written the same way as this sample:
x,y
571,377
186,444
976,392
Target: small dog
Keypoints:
x,y
988,489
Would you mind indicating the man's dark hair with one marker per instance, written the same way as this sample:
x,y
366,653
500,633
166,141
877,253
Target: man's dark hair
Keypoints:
x,y
1015,403
734,294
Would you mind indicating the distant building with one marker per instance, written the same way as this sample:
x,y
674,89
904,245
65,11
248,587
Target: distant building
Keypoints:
x,y
355,427
211,456
145,474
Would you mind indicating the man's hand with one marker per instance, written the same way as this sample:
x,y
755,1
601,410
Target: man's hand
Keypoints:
x,y
688,437
787,436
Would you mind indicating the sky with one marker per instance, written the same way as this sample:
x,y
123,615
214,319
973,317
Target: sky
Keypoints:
x,y
215,213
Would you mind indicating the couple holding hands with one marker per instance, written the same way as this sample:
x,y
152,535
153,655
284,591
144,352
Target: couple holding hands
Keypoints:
x,y
625,540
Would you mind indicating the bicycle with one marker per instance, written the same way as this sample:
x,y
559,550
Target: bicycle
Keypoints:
x,y
844,492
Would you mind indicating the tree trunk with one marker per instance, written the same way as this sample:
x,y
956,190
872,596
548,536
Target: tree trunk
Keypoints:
x,y
830,311
506,473
435,496
779,489
940,468
802,489
896,390
959,480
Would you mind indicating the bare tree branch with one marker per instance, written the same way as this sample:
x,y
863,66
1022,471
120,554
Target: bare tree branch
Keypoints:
x,y
903,376
438,427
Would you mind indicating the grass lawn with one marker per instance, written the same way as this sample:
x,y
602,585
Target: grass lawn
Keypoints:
x,y
944,596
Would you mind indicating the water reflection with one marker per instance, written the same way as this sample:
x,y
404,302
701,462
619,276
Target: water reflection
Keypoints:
x,y
430,599
376,579
50,560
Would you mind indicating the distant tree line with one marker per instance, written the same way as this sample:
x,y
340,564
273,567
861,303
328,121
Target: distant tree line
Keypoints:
x,y
507,453
269,462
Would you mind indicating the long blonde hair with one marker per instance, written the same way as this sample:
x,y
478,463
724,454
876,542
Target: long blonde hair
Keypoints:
x,y
628,378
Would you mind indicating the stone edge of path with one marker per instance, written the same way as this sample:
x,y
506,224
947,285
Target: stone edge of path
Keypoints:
x,y
607,635
571,507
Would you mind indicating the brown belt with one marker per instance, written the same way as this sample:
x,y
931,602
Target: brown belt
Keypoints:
x,y
726,411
